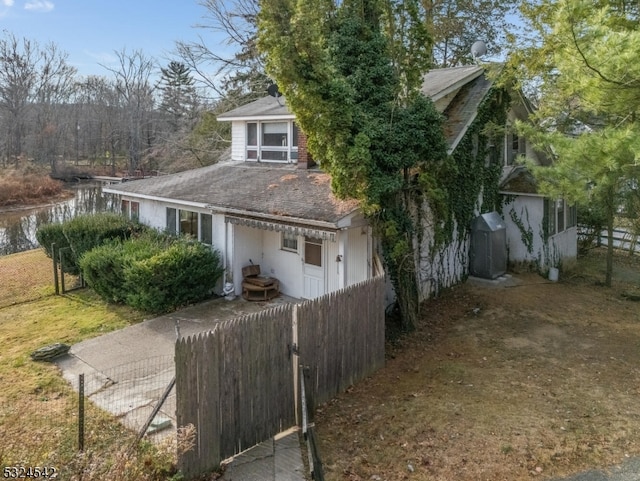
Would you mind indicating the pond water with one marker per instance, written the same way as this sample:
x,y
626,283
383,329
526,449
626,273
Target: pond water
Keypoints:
x,y
18,228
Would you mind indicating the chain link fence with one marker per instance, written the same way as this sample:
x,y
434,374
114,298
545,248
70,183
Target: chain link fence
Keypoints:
x,y
29,276
93,425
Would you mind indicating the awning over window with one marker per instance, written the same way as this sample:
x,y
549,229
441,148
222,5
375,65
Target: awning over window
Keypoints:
x,y
279,227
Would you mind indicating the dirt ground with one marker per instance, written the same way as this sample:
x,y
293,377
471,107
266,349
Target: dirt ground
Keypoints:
x,y
524,379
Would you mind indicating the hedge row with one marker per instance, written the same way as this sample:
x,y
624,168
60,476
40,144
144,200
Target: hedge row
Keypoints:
x,y
153,272
125,262
83,233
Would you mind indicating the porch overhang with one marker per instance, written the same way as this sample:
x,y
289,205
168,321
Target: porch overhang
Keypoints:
x,y
293,228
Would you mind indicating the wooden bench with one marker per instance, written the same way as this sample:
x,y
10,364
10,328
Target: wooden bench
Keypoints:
x,y
256,287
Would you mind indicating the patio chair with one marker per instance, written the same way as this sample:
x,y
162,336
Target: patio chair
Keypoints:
x,y
256,287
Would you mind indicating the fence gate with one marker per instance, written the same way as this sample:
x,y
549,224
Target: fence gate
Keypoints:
x,y
234,385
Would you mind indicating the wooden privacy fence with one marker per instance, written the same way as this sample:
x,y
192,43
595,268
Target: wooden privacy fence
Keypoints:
x,y
341,338
237,383
234,385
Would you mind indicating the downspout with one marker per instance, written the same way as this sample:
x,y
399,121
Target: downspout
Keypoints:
x,y
229,288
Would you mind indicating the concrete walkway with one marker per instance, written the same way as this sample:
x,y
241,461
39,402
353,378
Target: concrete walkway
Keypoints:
x,y
627,471
126,372
278,459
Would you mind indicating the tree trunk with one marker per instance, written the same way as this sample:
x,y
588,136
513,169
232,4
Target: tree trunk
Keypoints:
x,y
407,295
611,213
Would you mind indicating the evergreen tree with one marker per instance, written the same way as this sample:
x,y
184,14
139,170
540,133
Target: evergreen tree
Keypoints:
x,y
179,98
587,70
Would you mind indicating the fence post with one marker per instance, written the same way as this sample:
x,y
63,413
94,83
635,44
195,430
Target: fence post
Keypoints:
x,y
60,255
55,268
295,359
81,412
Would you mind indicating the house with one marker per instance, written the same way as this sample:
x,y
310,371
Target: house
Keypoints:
x,y
268,204
275,215
541,232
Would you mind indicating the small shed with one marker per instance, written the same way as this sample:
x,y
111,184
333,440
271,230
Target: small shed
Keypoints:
x,y
488,246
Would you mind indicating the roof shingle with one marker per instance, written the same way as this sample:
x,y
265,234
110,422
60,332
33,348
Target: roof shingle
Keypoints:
x,y
251,188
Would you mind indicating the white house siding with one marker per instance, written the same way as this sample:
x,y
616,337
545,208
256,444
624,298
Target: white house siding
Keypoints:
x,y
358,256
443,268
333,270
563,246
282,264
152,213
238,135
523,217
247,248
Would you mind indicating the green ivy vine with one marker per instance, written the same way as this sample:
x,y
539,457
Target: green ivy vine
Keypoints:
x,y
525,233
474,168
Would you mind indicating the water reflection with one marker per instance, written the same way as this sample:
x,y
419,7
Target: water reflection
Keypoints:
x,y
18,228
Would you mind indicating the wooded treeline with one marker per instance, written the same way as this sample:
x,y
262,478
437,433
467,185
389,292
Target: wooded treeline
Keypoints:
x,y
125,121
144,116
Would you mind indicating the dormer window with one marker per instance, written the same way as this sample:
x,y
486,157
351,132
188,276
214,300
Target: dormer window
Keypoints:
x,y
272,141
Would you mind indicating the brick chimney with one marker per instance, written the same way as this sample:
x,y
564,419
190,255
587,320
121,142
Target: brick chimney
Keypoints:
x,y
305,161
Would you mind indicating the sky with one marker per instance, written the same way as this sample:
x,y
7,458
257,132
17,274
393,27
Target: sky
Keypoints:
x,y
90,31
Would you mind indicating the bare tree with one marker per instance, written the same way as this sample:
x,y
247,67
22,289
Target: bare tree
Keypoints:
x,y
236,71
100,120
136,92
455,25
55,86
32,81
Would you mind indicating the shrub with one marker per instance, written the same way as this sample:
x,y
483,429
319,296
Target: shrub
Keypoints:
x,y
83,233
185,272
88,231
49,234
153,272
103,267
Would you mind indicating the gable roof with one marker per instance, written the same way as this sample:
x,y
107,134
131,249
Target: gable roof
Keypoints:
x,y
456,91
438,83
278,192
518,180
271,107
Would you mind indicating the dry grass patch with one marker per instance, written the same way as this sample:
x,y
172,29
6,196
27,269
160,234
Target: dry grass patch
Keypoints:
x,y
25,276
38,409
29,188
499,383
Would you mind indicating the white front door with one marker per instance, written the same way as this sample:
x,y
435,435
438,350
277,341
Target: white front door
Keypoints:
x,y
313,270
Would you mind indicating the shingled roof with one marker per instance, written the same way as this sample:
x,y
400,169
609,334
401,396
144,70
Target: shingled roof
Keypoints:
x,y
248,189
265,107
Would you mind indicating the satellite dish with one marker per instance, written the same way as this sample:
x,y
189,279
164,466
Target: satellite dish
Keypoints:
x,y
273,91
478,49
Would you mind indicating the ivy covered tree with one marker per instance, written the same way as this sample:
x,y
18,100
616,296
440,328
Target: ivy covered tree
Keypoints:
x,y
587,70
378,138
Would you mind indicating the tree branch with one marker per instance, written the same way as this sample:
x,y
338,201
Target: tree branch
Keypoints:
x,y
591,67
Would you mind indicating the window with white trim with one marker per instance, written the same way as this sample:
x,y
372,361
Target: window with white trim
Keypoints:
x,y
272,141
289,242
514,146
196,224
